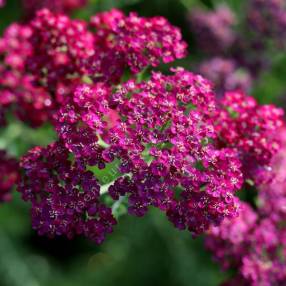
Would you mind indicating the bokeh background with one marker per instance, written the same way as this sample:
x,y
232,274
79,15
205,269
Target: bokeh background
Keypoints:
x,y
145,251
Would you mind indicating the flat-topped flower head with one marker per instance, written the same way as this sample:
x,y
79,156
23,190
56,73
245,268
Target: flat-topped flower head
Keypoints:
x,y
65,198
163,140
248,127
253,245
31,104
60,45
132,42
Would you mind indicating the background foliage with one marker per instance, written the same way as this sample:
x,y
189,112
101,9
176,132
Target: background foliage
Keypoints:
x,y
147,251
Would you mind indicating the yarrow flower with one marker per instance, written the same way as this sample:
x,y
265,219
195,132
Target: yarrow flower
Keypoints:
x,y
65,199
60,45
31,104
58,6
132,42
163,141
213,29
255,243
244,125
9,175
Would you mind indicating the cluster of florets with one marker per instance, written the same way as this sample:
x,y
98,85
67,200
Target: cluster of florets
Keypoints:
x,y
9,175
65,198
2,3
60,45
226,75
244,125
42,61
268,18
59,6
17,92
213,29
163,140
132,42
255,242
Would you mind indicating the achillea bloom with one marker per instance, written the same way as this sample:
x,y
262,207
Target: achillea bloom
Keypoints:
x,y
253,245
58,6
244,125
65,199
226,75
163,141
213,29
132,42
31,104
9,175
60,45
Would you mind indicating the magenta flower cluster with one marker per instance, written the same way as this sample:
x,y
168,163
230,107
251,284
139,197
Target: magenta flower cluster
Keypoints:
x,y
9,175
18,93
65,199
249,128
163,140
255,243
132,42
171,143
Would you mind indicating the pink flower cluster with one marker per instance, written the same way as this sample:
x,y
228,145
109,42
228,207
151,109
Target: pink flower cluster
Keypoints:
x,y
29,102
9,175
132,42
172,145
65,199
163,139
255,243
249,128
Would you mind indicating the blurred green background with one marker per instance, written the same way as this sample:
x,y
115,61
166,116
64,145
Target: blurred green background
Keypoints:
x,y
146,251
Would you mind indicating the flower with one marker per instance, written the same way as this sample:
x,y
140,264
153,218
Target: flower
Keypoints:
x,y
65,199
31,104
244,125
163,141
132,42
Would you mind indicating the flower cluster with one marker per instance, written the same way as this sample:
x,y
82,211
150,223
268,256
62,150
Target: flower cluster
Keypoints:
x,y
132,42
63,6
255,242
29,103
226,75
249,128
65,199
60,45
163,139
9,175
213,29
